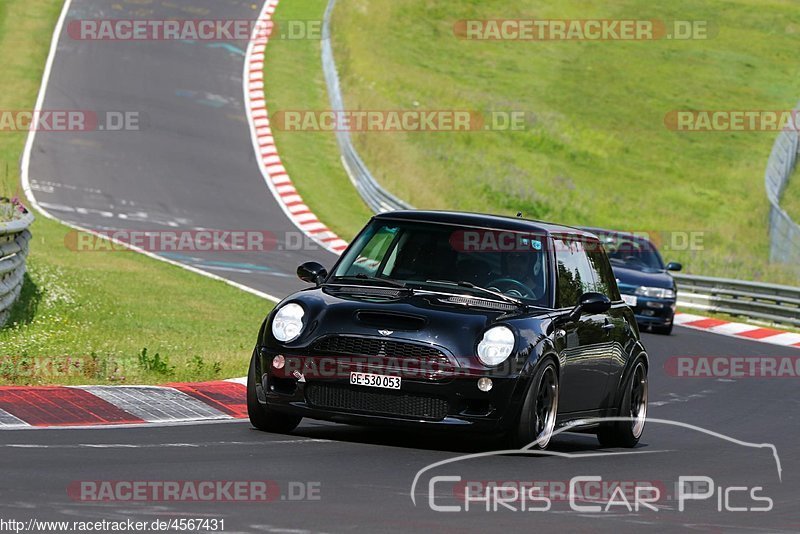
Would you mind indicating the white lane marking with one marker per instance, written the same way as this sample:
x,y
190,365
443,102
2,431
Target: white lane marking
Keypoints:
x,y
48,67
9,420
229,269
158,445
675,398
145,425
156,403
282,530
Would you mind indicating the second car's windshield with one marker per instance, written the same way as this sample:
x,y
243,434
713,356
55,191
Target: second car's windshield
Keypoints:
x,y
635,253
430,255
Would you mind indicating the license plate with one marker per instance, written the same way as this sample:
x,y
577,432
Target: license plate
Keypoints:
x,y
630,300
375,381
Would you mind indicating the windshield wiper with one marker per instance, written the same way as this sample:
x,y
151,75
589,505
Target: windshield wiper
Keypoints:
x,y
470,285
361,277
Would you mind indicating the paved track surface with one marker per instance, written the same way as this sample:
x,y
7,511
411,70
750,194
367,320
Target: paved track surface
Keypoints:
x,y
192,166
365,474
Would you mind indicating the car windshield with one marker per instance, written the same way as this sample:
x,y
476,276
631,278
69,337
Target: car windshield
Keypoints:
x,y
636,253
450,259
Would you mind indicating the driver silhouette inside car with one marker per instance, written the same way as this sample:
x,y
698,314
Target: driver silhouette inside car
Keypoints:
x,y
524,268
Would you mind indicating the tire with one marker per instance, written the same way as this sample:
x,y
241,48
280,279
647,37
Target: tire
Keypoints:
x,y
537,419
634,405
261,417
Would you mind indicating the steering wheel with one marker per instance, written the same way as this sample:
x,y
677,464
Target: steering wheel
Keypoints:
x,y
516,288
634,259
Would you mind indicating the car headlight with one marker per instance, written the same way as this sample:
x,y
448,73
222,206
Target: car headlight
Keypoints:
x,y
497,344
288,322
655,292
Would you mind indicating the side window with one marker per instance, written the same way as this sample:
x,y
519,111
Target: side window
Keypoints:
x,y
373,252
575,276
605,282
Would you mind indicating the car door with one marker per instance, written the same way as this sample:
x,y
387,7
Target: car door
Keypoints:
x,y
584,344
616,323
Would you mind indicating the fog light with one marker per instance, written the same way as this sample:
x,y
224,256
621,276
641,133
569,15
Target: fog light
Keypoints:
x,y
484,384
278,361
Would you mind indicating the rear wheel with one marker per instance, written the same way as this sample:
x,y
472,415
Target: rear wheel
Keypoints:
x,y
260,415
538,417
634,407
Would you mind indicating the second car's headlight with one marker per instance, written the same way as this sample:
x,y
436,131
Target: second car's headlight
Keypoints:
x,y
655,292
288,322
497,345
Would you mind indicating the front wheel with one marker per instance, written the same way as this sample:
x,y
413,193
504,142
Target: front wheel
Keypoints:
x,y
539,410
626,433
260,415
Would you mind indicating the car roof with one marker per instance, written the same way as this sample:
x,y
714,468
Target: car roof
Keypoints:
x,y
621,233
482,220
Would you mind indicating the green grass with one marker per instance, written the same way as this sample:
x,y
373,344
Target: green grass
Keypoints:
x,y
294,81
105,317
595,150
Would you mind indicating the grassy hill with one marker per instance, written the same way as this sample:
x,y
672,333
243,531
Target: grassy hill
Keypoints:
x,y
595,149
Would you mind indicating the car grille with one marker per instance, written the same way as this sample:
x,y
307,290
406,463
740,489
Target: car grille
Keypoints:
x,y
375,402
370,346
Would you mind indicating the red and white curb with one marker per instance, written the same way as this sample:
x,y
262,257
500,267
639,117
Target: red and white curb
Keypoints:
x,y
65,406
270,163
738,330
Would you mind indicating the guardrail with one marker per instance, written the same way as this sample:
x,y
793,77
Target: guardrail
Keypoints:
x,y
14,239
755,300
784,233
376,197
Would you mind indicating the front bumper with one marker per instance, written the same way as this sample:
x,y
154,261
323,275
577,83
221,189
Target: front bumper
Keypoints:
x,y
446,399
653,311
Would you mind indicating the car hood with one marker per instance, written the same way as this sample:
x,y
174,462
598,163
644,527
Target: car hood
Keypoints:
x,y
635,277
421,318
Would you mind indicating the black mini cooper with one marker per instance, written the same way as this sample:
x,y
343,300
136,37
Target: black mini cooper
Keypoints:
x,y
457,320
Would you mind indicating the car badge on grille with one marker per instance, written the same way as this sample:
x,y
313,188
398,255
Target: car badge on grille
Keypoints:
x,y
386,332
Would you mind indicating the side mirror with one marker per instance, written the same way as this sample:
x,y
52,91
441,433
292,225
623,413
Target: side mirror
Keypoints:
x,y
312,272
674,266
590,302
